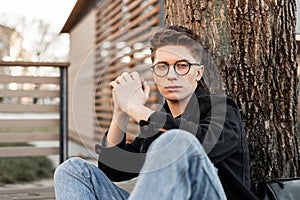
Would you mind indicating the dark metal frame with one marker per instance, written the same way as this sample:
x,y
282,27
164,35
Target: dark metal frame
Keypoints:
x,y
63,114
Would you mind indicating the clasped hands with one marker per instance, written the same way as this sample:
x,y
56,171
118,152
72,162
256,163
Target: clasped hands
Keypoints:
x,y
129,91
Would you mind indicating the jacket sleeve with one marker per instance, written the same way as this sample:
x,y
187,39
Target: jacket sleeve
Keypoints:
x,y
218,128
121,162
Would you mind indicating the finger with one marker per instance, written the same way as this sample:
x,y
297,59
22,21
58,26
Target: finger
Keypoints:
x,y
117,80
114,84
136,77
121,79
126,76
146,88
111,83
142,81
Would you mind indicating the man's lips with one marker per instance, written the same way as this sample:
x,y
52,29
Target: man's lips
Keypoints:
x,y
173,88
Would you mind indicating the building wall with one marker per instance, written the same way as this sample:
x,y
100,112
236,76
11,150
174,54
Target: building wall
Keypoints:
x,y
81,78
123,30
10,43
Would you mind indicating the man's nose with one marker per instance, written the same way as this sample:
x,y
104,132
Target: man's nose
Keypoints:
x,y
172,74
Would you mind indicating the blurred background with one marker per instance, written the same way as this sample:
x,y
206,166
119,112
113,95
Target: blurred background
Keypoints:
x,y
30,30
95,40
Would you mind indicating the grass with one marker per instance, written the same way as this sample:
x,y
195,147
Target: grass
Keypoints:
x,y
24,169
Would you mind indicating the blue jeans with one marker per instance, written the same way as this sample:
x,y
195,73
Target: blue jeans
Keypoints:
x,y
176,167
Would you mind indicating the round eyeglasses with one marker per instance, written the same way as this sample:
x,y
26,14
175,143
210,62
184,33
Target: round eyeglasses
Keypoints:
x,y
181,67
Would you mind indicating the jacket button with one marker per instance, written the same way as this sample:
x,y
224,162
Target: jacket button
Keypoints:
x,y
146,128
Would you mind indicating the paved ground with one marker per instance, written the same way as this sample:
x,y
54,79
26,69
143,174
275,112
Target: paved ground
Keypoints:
x,y
42,189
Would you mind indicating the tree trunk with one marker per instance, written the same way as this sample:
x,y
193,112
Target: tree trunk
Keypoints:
x,y
254,45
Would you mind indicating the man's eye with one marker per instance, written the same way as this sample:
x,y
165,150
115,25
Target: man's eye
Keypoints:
x,y
161,66
182,65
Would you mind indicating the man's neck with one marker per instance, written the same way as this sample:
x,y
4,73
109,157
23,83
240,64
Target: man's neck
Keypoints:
x,y
177,107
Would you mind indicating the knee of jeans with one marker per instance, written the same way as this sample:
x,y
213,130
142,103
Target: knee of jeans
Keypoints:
x,y
179,135
67,167
175,137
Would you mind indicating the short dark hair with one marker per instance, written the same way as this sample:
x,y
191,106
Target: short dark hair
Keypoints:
x,y
177,35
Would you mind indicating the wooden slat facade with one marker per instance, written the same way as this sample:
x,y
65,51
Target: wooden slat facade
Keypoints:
x,y
123,29
81,78
29,109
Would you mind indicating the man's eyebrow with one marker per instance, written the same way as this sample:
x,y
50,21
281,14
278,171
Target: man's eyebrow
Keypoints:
x,y
183,59
180,60
165,62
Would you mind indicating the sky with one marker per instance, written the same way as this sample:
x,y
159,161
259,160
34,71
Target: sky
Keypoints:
x,y
55,12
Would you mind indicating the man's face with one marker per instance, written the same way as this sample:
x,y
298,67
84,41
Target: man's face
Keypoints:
x,y
173,86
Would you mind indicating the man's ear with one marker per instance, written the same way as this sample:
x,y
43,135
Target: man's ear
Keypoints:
x,y
153,75
152,72
200,71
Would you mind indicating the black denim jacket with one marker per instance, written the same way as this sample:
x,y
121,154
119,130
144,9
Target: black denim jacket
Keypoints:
x,y
215,120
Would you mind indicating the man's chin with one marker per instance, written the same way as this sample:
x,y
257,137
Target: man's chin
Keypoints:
x,y
172,98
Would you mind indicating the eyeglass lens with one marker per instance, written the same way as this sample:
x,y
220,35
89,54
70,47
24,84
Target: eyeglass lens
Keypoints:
x,y
180,67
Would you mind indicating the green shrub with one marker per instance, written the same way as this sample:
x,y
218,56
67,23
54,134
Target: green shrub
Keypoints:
x,y
15,169
20,169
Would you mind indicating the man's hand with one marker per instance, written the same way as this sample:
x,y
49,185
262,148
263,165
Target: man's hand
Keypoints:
x,y
129,91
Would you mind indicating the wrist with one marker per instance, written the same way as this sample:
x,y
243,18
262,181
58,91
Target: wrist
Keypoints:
x,y
139,113
118,113
120,117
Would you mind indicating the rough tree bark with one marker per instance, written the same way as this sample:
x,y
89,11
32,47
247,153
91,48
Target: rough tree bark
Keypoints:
x,y
254,45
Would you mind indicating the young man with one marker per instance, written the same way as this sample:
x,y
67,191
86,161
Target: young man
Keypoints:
x,y
194,147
